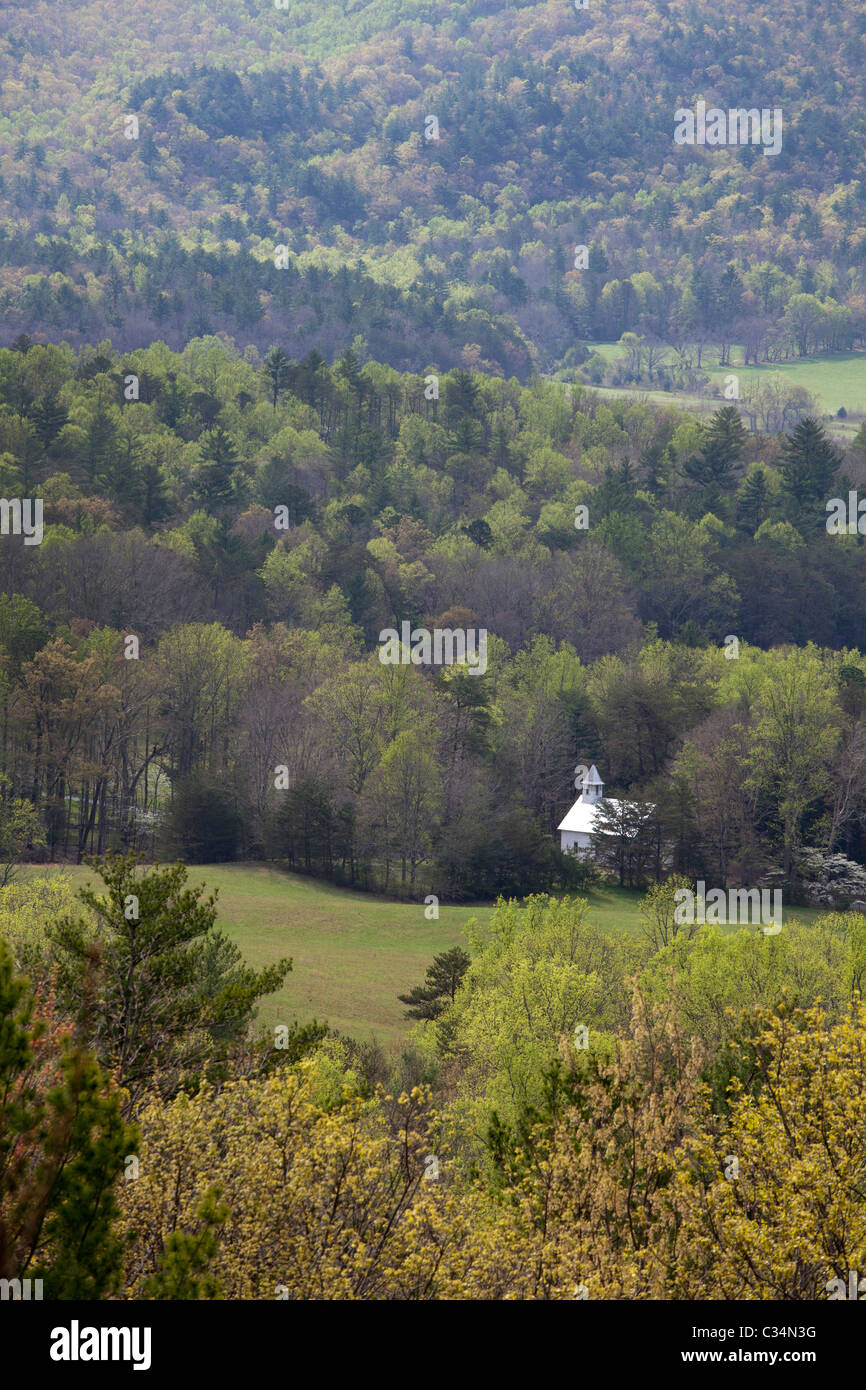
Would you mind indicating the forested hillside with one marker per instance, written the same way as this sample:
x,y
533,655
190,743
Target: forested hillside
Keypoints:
x,y
222,554
422,181
411,439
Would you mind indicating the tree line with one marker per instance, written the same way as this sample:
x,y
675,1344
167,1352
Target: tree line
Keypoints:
x,y
191,656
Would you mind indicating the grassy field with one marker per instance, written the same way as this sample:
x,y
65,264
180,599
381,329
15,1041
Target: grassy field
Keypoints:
x,y
838,379
352,953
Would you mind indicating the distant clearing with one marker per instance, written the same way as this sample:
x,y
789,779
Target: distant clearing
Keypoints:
x,y
837,380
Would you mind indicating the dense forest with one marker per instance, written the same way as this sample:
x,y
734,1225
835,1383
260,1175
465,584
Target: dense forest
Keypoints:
x,y
282,175
306,308
222,553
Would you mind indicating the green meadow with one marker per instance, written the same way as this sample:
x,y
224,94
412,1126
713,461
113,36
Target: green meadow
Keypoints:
x,y
352,953
837,379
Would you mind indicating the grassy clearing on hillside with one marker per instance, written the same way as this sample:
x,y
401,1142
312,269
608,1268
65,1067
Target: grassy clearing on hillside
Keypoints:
x,y
352,953
838,379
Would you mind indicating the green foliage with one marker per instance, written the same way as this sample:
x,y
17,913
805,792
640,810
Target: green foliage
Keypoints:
x,y
715,975
539,970
62,1148
171,990
184,1270
809,462
28,906
440,986
204,826
20,830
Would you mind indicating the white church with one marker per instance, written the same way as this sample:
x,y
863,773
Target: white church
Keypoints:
x,y
575,830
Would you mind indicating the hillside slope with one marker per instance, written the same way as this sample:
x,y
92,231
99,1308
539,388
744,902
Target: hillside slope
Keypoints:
x,y
314,128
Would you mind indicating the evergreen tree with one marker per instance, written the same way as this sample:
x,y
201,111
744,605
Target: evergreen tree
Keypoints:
x,y
184,1269
729,296
214,477
726,435
276,369
461,397
49,417
307,379
204,826
753,499
162,998
479,531
809,462
500,446
63,1144
440,986
713,468
120,477
654,467
349,368
625,839
615,493
154,501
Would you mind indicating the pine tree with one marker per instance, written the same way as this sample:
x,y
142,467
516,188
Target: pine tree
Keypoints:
x,y
183,1273
119,476
752,499
276,369
218,462
809,462
63,1144
654,467
349,368
500,446
167,988
615,493
49,417
726,435
713,468
461,397
729,296
154,500
440,986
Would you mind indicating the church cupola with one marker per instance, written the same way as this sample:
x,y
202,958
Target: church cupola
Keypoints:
x,y
593,787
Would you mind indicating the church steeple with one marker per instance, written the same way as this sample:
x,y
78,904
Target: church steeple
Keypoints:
x,y
593,787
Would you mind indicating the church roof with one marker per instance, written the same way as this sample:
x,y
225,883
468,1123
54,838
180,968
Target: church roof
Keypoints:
x,y
582,815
